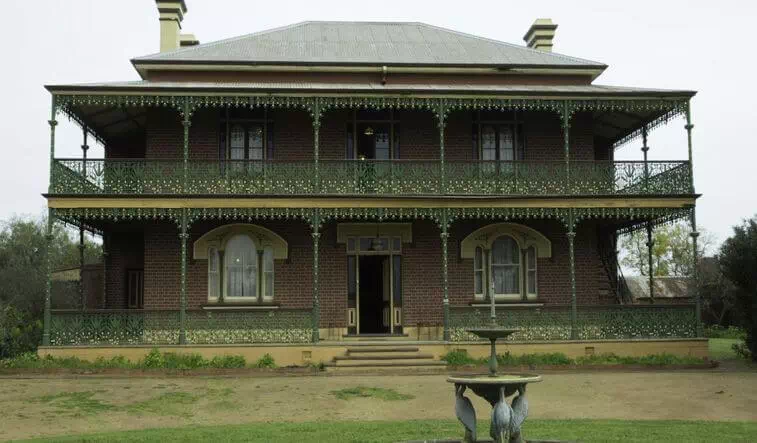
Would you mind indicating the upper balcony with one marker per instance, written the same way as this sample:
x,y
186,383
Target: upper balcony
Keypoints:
x,y
381,178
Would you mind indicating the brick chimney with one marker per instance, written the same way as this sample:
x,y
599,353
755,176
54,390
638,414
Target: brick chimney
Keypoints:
x,y
540,35
171,15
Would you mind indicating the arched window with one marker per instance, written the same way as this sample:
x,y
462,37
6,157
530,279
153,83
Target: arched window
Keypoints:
x,y
214,282
505,266
505,257
241,261
241,268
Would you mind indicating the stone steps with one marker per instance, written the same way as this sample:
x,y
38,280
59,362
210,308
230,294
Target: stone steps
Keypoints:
x,y
383,357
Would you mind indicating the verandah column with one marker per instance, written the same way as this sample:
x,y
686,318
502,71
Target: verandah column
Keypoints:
x,y
49,233
183,237
49,283
694,234
441,122
572,258
444,236
186,122
571,223
316,226
316,142
84,149
650,241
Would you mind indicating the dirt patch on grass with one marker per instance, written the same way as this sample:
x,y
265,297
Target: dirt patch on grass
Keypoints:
x,y
54,406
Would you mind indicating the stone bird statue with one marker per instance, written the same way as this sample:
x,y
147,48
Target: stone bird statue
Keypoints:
x,y
465,413
520,412
501,417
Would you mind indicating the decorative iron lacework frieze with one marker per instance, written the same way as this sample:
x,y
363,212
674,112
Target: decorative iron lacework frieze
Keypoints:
x,y
655,215
200,214
265,101
388,102
501,104
504,214
119,214
593,322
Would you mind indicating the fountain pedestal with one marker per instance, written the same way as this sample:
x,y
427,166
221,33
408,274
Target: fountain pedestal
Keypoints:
x,y
495,388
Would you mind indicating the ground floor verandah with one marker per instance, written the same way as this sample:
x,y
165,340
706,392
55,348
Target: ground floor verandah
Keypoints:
x,y
328,275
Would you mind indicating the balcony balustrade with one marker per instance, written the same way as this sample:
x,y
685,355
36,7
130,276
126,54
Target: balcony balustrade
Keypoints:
x,y
368,178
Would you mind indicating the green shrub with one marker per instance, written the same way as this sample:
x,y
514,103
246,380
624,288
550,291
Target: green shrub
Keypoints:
x,y
548,359
742,350
716,331
153,359
266,361
459,357
228,362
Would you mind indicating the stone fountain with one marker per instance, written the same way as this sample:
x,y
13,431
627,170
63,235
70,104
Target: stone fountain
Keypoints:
x,y
495,388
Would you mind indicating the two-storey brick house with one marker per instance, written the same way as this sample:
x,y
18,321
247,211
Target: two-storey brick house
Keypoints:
x,y
330,180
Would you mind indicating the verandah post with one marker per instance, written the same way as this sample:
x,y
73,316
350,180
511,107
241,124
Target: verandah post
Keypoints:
x,y
571,254
49,233
441,121
84,149
49,283
316,143
186,122
183,237
694,234
565,116
316,226
444,236
650,241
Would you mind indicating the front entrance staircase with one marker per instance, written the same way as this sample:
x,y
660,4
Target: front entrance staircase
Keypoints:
x,y
383,357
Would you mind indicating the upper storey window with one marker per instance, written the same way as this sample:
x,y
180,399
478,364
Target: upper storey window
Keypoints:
x,y
246,134
498,136
372,135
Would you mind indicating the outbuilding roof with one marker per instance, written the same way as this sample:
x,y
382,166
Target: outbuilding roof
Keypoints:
x,y
367,43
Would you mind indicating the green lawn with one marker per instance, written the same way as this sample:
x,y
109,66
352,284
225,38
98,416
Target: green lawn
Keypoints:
x,y
720,348
383,431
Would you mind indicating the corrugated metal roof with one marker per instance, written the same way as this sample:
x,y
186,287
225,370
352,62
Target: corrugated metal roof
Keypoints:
x,y
372,43
377,87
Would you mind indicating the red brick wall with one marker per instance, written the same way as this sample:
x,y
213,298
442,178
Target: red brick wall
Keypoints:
x,y
419,136
421,269
125,252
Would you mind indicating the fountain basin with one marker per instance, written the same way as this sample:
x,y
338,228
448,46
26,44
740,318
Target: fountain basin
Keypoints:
x,y
492,333
488,387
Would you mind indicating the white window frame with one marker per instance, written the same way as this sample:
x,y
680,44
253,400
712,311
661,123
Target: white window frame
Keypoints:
x,y
256,295
519,272
214,290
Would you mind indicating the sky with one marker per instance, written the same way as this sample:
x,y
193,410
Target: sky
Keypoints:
x,y
700,45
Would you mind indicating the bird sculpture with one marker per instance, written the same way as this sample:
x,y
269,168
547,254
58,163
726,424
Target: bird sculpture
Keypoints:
x,y
501,417
520,412
465,413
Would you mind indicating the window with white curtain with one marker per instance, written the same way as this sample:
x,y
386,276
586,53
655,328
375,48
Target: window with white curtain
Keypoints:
x,y
531,271
268,273
505,266
241,268
478,272
214,282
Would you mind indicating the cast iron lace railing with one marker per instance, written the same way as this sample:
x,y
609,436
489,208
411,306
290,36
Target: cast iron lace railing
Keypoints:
x,y
368,177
